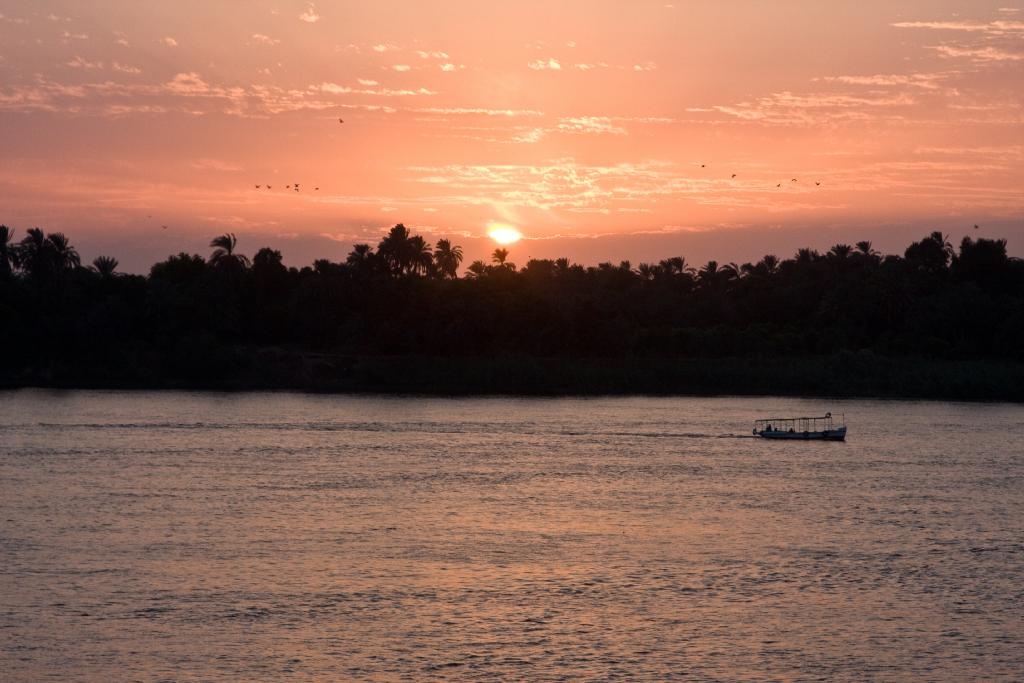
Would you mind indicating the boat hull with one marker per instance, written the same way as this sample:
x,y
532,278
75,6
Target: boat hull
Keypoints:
x,y
838,434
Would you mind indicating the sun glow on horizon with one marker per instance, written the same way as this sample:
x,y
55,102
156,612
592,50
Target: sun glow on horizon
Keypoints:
x,y
504,234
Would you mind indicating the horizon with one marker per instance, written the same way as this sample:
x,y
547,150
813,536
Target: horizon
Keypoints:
x,y
605,133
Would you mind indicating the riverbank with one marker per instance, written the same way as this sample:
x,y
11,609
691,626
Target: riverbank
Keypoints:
x,y
862,375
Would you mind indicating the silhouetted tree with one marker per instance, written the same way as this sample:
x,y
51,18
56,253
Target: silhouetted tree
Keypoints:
x,y
421,258
224,255
6,251
447,258
397,251
105,266
931,255
209,320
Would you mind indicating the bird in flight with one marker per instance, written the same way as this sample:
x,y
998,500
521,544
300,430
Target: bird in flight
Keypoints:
x,y
163,227
975,226
341,120
269,187
792,180
817,182
316,188
733,175
702,165
257,187
779,185
287,187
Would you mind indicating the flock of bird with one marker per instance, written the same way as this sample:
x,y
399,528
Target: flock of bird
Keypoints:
x,y
792,180
294,187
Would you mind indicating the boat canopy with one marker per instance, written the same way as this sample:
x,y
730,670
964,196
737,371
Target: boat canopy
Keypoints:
x,y
824,423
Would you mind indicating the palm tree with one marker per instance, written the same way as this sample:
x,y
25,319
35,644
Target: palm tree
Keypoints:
x,y
865,248
31,253
499,256
713,275
841,251
447,258
647,271
224,255
806,255
676,265
769,263
395,250
360,256
421,258
476,269
6,251
105,266
63,254
708,275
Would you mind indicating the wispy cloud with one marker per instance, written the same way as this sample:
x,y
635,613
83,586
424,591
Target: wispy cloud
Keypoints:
x,y
79,63
550,64
978,54
337,89
310,14
169,42
481,111
264,39
998,27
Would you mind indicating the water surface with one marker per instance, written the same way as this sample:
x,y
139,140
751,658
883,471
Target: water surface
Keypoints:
x,y
234,537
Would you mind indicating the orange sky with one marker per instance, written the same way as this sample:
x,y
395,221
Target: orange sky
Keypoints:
x,y
583,124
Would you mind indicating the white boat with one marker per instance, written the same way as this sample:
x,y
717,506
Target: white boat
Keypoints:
x,y
825,428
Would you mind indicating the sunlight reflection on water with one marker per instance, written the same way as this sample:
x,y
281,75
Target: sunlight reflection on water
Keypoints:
x,y
262,536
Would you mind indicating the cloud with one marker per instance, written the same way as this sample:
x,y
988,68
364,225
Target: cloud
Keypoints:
x,y
122,39
997,28
978,54
215,165
67,35
384,47
337,89
367,82
401,67
589,124
189,83
646,66
926,81
545,64
264,39
479,111
788,108
310,15
561,184
432,55
124,68
79,63
169,42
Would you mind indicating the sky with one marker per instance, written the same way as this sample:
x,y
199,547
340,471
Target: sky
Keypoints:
x,y
600,130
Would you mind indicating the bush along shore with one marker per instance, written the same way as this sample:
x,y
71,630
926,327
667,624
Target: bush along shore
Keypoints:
x,y
937,321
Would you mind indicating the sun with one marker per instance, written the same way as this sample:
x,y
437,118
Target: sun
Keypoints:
x,y
504,234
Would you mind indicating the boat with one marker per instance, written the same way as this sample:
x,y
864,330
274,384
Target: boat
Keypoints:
x,y
825,428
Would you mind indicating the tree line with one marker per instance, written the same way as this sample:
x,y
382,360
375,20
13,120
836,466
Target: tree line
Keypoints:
x,y
195,318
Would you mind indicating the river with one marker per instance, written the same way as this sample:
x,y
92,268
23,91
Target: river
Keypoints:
x,y
272,536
